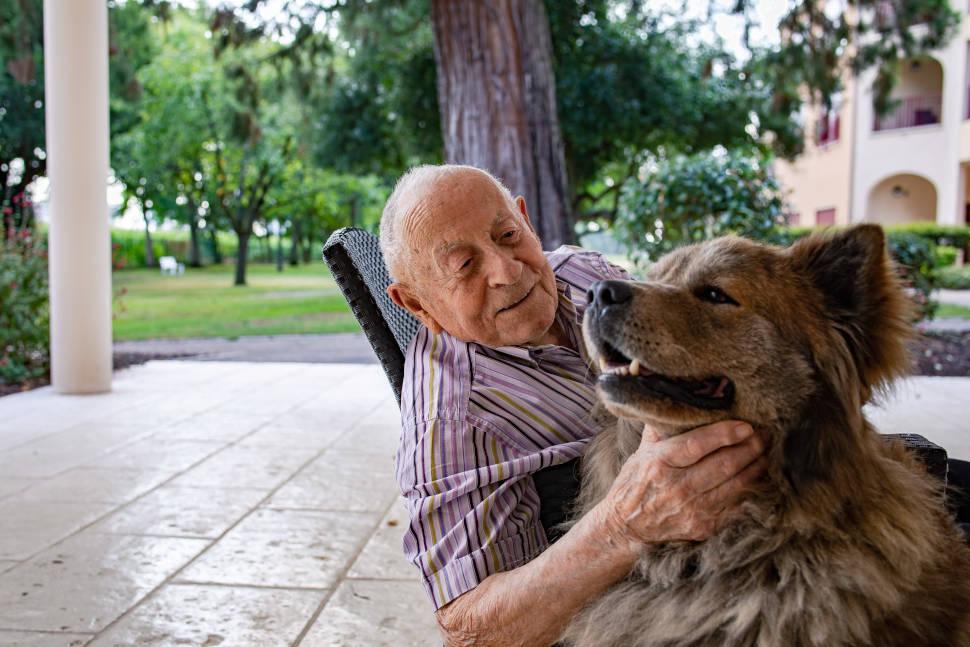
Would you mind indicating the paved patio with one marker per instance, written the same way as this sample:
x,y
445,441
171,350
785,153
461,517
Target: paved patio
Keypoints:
x,y
227,503
207,503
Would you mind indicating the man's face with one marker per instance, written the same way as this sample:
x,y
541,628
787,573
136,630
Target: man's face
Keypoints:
x,y
476,268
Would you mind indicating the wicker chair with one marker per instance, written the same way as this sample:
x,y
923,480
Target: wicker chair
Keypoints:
x,y
355,261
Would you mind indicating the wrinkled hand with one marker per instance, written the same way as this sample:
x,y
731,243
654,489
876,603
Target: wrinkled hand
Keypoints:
x,y
684,487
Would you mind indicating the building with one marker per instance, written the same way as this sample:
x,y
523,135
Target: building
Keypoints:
x,y
908,166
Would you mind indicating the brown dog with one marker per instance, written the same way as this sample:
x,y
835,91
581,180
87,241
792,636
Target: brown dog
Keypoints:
x,y
848,541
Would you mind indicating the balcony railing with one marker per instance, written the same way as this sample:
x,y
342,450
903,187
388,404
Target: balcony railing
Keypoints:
x,y
912,111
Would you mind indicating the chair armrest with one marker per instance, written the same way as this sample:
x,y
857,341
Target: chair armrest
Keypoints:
x,y
931,454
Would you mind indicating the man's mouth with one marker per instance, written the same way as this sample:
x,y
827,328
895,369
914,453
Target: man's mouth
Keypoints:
x,y
623,375
524,297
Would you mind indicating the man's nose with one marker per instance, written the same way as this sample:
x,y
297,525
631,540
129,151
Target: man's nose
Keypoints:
x,y
504,269
608,293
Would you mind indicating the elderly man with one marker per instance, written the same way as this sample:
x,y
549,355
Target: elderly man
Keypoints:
x,y
497,388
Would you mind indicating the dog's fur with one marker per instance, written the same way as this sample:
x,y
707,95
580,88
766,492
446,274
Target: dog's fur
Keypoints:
x,y
847,542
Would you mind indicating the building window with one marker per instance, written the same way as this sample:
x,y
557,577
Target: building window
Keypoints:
x,y
794,219
827,130
825,217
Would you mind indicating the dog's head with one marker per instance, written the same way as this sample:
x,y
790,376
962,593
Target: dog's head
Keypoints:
x,y
792,339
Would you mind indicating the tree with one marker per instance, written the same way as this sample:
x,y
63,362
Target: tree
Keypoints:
x,y
689,198
21,106
170,179
622,82
497,98
22,125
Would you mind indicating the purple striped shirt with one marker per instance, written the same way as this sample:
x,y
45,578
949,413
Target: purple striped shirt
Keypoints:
x,y
476,423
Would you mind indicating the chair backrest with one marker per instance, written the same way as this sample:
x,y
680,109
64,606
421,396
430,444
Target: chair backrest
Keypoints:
x,y
355,261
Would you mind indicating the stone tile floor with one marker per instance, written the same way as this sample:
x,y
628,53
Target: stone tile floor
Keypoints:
x,y
237,504
207,503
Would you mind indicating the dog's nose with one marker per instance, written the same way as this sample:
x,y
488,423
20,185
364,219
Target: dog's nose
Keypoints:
x,y
608,293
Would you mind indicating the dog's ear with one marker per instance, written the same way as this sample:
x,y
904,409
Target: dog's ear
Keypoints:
x,y
816,440
861,296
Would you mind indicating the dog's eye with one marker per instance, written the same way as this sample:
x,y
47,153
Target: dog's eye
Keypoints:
x,y
713,294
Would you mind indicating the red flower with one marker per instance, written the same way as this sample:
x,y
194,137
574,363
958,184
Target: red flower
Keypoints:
x,y
13,285
7,211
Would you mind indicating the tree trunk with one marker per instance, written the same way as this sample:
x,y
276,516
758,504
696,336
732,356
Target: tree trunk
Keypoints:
x,y
497,98
195,258
308,248
295,243
241,252
149,250
279,246
214,241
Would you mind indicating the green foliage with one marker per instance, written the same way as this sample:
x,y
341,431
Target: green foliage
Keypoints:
x,y
22,123
24,311
636,84
955,278
916,259
686,199
378,114
953,235
945,255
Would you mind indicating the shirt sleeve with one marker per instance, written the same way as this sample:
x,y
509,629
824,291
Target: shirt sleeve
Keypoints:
x,y
472,505
612,270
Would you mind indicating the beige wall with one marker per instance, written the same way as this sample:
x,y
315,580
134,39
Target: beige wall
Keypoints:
x,y
924,80
915,200
820,177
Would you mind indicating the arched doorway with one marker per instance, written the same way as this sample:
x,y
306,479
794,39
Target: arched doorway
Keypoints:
x,y
902,198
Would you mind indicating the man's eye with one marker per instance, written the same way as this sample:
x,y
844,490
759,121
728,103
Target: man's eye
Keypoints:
x,y
713,294
509,234
465,264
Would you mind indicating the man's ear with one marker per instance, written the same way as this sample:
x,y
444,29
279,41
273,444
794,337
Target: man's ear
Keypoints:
x,y
402,296
520,204
861,295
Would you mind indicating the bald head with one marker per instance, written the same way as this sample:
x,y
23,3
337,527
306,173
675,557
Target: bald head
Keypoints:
x,y
422,189
465,259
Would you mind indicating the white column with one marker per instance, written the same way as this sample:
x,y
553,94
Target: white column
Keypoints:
x,y
76,83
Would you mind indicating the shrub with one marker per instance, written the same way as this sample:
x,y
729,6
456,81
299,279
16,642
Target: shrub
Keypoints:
x,y
916,257
955,278
945,255
24,311
685,199
954,235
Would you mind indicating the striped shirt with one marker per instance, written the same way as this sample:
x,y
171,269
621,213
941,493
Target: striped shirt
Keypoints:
x,y
477,422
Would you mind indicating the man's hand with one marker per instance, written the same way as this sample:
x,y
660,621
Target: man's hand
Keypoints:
x,y
684,487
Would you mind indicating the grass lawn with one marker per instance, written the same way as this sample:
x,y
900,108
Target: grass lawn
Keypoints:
x,y
204,303
949,311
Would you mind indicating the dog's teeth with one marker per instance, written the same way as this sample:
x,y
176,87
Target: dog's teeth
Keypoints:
x,y
603,364
635,367
623,370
